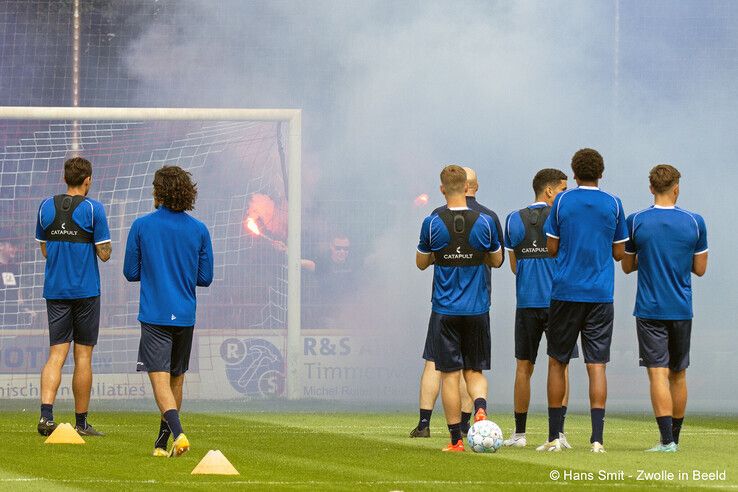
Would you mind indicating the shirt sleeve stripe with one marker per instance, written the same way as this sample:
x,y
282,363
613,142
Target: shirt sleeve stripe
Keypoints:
x,y
621,241
702,252
551,235
39,240
423,252
630,253
103,242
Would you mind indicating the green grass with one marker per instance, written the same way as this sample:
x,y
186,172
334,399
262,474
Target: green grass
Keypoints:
x,y
308,451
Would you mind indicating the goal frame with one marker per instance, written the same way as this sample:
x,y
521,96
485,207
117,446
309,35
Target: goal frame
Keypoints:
x,y
293,118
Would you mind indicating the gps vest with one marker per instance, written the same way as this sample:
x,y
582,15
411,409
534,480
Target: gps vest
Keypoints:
x,y
459,253
534,244
63,228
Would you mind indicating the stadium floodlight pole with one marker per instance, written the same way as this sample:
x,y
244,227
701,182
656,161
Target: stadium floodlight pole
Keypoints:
x,y
294,206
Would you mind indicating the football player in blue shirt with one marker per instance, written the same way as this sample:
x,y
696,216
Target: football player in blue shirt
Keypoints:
x,y
525,243
72,231
667,245
586,230
171,254
462,244
430,380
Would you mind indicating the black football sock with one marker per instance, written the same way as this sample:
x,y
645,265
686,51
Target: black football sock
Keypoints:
x,y
164,433
81,420
554,423
665,429
172,418
465,418
563,418
520,420
676,428
47,411
455,430
480,403
598,424
425,416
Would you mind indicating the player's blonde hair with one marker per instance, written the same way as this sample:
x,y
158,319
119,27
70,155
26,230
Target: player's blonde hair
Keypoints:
x,y
453,179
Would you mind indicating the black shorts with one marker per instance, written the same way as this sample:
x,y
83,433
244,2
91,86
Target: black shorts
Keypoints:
x,y
568,319
164,349
530,325
75,320
462,342
433,330
664,343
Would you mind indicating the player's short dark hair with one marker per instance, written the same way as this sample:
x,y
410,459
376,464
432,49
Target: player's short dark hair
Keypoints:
x,y
453,179
173,188
76,170
547,177
663,177
587,165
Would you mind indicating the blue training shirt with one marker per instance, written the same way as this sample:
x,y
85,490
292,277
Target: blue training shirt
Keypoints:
x,y
587,221
534,275
459,291
170,253
71,270
473,204
666,239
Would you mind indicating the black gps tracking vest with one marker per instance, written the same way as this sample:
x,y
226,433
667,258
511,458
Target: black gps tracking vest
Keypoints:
x,y
459,253
63,228
534,244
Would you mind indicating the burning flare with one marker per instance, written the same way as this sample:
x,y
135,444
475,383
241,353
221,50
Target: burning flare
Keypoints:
x,y
421,200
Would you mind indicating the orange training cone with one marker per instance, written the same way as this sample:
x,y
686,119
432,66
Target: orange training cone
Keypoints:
x,y
214,463
64,434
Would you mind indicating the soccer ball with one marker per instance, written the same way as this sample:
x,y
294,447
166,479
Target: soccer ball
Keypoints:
x,y
484,437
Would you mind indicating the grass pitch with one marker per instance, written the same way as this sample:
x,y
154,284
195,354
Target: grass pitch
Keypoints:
x,y
343,451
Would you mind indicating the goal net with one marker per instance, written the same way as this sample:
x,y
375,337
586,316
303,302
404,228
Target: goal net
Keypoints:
x,y
246,164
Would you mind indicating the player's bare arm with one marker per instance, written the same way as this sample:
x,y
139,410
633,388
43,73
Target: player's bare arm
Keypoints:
x,y
513,262
699,264
104,250
493,259
423,260
552,243
629,263
43,248
618,251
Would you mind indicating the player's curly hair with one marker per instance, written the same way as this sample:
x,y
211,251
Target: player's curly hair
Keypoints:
x,y
587,165
663,177
173,188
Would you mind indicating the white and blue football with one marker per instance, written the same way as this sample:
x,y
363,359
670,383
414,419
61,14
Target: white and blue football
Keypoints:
x,y
484,437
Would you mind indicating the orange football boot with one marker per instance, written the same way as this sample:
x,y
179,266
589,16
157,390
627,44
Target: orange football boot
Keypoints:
x,y
480,415
455,448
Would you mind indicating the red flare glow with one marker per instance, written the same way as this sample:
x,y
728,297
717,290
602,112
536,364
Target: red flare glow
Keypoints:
x,y
421,200
251,226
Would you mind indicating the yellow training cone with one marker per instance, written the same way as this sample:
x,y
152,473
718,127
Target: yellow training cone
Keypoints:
x,y
64,434
214,463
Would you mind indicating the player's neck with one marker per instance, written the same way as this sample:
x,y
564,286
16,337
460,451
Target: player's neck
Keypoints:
x,y
456,201
664,200
76,191
593,184
544,199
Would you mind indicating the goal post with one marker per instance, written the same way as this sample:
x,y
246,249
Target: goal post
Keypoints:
x,y
292,118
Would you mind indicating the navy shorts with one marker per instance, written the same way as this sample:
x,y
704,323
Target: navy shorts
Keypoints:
x,y
164,349
461,342
75,320
433,326
530,325
664,343
568,319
